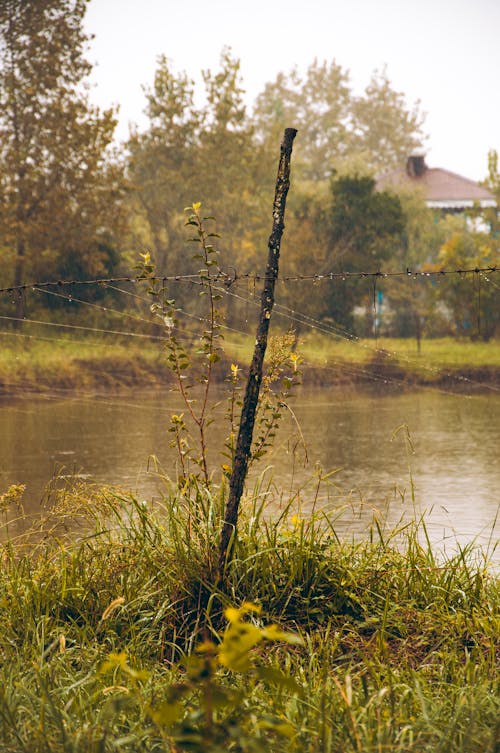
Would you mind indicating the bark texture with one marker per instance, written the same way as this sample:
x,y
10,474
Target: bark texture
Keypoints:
x,y
247,420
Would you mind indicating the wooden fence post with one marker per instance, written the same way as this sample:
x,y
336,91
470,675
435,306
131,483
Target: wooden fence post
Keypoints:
x,y
247,420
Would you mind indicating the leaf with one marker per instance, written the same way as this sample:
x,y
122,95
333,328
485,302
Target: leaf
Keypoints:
x,y
233,614
111,607
238,641
113,661
166,714
274,633
277,677
222,697
281,727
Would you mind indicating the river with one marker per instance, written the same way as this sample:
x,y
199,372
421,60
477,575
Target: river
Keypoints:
x,y
394,455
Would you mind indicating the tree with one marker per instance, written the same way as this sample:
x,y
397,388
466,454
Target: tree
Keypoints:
x,y
336,127
235,179
412,303
318,105
163,162
384,129
57,191
491,214
364,228
472,299
205,153
365,225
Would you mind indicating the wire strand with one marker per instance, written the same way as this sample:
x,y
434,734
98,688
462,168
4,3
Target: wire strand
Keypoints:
x,y
230,279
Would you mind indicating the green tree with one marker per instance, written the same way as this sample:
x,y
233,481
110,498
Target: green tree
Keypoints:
x,y
58,192
318,105
412,303
235,179
385,130
364,228
163,162
491,215
335,127
365,225
207,152
471,299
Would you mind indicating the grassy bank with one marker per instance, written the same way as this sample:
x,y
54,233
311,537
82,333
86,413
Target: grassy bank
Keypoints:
x,y
382,646
67,364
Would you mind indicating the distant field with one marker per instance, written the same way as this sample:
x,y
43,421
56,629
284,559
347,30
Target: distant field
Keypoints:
x,y
439,352
36,365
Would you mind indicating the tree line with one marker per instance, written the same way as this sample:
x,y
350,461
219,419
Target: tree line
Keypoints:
x,y
74,205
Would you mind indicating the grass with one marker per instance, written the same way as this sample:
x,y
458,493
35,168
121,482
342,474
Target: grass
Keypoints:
x,y
443,361
444,352
66,363
399,648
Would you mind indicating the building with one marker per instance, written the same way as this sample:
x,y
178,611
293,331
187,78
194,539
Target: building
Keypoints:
x,y
441,189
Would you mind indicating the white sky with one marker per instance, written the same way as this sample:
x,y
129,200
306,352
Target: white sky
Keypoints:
x,y
445,53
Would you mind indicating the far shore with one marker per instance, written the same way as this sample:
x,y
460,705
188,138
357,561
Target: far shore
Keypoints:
x,y
68,367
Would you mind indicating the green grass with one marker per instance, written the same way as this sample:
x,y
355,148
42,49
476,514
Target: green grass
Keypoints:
x,y
330,359
101,605
440,352
80,363
68,363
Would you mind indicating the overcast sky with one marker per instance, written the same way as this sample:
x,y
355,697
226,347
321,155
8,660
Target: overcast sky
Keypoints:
x,y
445,53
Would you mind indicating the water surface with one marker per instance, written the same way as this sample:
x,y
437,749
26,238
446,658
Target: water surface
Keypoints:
x,y
446,462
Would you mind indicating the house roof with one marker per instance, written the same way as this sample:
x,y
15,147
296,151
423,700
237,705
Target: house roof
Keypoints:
x,y
441,188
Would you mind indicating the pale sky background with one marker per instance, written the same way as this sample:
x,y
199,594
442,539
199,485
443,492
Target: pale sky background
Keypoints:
x,y
445,53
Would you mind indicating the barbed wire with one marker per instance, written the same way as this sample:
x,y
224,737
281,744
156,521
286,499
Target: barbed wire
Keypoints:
x,y
104,281
125,314
282,311
229,278
328,328
228,285
317,276
81,327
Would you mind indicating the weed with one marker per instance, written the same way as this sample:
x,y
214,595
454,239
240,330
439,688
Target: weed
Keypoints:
x,y
400,645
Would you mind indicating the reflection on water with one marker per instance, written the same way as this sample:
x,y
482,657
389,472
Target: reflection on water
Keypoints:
x,y
446,464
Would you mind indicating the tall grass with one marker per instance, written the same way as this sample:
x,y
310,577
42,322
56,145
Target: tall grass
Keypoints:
x,y
102,602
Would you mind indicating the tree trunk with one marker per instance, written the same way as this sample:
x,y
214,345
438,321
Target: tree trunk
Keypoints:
x,y
254,380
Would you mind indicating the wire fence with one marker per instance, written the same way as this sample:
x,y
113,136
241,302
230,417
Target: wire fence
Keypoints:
x,y
233,286
234,275
125,316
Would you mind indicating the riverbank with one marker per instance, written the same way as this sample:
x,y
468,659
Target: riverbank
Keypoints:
x,y
117,640
68,365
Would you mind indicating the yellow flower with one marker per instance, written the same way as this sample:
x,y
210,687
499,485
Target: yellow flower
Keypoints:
x,y
295,520
296,360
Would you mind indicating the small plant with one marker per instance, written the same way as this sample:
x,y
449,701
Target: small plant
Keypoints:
x,y
205,711
401,646
281,377
9,500
12,498
194,372
178,358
